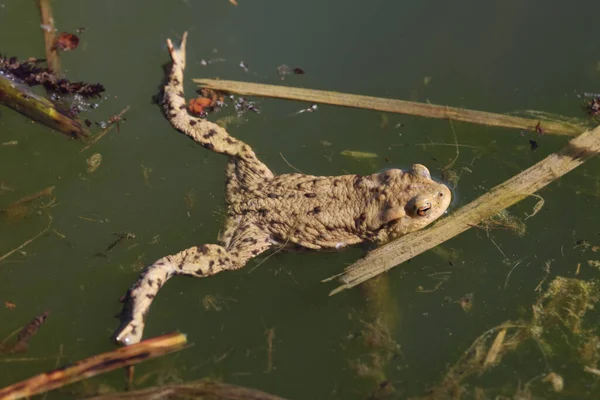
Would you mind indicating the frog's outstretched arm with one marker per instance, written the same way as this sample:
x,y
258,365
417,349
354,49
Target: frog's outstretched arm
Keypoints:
x,y
206,133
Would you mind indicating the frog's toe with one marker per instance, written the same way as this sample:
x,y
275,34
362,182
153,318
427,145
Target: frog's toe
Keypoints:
x,y
129,334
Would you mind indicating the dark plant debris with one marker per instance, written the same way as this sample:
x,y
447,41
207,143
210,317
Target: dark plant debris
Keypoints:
x,y
534,145
31,73
284,70
25,334
593,106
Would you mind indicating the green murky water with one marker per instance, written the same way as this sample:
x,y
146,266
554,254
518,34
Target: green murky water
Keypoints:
x,y
496,56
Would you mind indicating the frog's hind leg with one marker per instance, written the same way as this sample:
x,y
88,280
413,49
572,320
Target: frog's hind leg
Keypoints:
x,y
206,133
199,262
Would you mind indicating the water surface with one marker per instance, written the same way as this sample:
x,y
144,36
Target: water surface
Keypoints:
x,y
498,56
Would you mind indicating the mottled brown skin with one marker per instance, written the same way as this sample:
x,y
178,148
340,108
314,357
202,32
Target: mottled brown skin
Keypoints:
x,y
314,212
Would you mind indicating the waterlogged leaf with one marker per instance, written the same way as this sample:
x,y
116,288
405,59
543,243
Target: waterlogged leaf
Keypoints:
x,y
358,154
66,41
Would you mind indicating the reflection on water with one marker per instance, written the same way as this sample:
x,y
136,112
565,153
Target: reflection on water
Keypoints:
x,y
275,328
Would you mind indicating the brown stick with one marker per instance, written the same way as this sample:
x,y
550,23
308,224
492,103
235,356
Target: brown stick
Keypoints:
x,y
49,36
389,105
198,389
577,151
95,365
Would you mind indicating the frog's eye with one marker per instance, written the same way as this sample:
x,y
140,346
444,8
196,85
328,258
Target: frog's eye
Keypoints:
x,y
423,209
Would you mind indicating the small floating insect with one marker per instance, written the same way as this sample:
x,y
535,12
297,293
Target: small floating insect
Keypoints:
x,y
115,119
244,66
121,237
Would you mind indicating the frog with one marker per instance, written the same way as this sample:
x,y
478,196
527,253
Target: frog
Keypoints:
x,y
292,210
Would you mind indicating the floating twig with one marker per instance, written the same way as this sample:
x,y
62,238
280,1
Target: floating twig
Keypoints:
x,y
5,256
388,105
49,36
577,151
492,354
95,365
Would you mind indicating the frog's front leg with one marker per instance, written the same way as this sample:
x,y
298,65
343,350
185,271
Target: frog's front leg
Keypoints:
x,y
200,262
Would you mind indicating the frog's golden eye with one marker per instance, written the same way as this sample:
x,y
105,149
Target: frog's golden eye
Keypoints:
x,y
424,209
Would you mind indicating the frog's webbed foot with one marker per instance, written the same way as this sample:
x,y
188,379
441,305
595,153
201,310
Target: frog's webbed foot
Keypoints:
x,y
204,132
178,54
200,261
